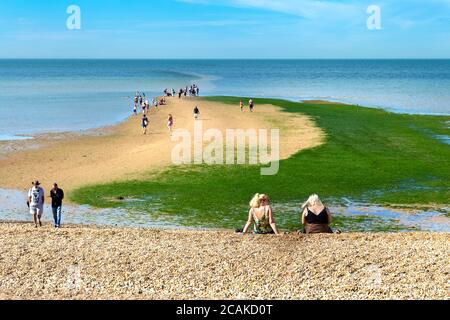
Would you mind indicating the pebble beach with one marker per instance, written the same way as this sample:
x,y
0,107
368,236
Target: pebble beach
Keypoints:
x,y
88,262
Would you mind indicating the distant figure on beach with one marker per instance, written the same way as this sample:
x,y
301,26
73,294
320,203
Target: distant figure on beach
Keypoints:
x,y
316,218
241,104
144,124
170,123
196,113
261,216
135,110
198,91
180,93
147,105
57,195
251,105
36,199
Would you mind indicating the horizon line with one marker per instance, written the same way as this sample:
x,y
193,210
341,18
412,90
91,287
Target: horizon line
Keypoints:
x,y
66,58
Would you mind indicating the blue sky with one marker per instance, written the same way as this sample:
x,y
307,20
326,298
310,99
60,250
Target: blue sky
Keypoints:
x,y
224,29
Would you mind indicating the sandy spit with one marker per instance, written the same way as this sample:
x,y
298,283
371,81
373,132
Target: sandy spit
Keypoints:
x,y
106,263
121,152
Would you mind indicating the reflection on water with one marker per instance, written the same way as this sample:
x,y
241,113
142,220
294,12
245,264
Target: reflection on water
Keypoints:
x,y
13,207
355,217
443,138
351,217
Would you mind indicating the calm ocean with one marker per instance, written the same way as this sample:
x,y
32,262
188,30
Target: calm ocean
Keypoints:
x,y
38,96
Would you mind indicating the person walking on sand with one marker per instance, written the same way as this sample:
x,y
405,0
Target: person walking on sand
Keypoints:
x,y
170,123
144,124
316,218
57,196
251,105
261,215
147,105
36,200
196,113
241,104
135,110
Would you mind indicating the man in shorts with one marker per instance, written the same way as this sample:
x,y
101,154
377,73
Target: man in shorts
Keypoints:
x,y
36,199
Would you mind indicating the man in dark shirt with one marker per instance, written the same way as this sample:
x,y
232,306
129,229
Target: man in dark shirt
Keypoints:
x,y
57,196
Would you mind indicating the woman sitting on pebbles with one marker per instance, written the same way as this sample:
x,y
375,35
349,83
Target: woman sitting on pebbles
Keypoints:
x,y
316,218
261,215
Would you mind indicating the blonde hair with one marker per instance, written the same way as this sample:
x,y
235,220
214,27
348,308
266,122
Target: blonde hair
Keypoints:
x,y
312,201
256,201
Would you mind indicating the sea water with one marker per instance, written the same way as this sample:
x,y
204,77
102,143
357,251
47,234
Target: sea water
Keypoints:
x,y
40,96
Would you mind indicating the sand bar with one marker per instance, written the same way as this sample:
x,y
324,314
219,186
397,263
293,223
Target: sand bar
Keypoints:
x,y
122,152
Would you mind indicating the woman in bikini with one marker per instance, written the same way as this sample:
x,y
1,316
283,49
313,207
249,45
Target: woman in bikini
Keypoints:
x,y
241,104
261,216
316,218
170,123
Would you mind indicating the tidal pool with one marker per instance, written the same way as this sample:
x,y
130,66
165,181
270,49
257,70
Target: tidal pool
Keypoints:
x,y
351,217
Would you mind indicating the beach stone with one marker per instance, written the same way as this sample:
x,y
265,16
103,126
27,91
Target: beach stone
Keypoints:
x,y
81,262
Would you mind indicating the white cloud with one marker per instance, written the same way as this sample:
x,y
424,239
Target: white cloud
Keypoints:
x,y
310,9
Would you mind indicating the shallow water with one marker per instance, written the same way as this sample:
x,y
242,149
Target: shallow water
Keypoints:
x,y
352,217
13,208
11,137
38,96
443,138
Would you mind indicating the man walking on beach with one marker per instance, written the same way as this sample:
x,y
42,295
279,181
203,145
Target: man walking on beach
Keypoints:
x,y
57,196
144,124
36,199
196,113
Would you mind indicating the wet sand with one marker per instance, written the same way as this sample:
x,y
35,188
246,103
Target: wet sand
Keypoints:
x,y
115,263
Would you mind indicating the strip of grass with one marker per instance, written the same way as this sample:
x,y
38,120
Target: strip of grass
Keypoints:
x,y
369,155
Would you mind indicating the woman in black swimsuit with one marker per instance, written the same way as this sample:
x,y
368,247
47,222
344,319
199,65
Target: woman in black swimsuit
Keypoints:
x,y
316,218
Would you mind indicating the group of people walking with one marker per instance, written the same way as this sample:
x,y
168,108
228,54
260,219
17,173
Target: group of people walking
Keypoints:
x,y
191,91
36,201
315,217
140,99
251,105
145,123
